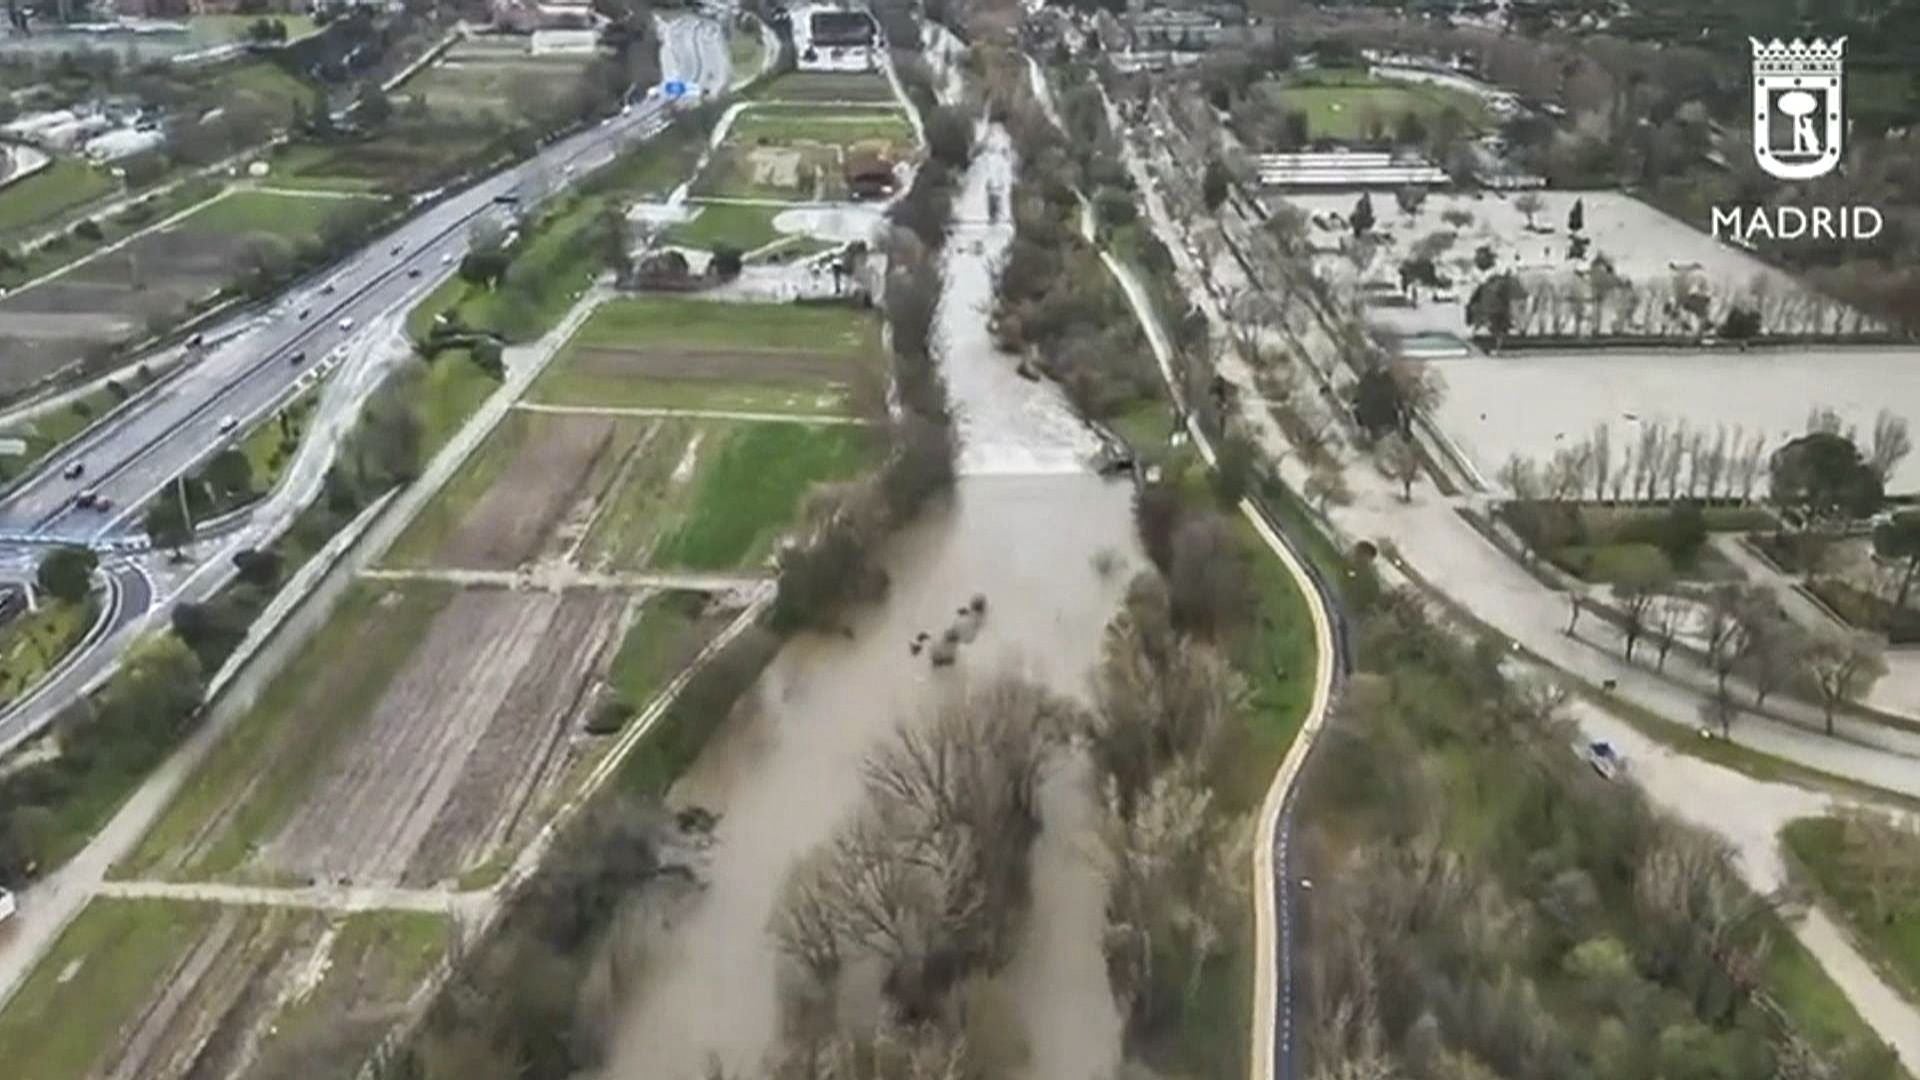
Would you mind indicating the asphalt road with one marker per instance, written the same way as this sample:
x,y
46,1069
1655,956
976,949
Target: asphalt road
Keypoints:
x,y
247,374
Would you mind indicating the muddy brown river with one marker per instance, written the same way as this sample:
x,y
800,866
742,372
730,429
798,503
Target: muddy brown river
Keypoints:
x,y
1032,529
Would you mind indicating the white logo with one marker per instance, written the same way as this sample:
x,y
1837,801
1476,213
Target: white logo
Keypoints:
x,y
1797,127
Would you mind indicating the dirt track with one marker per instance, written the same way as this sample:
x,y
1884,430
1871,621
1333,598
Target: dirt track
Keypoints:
x,y
457,745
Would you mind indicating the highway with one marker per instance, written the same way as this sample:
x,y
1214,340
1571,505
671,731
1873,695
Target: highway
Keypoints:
x,y
248,371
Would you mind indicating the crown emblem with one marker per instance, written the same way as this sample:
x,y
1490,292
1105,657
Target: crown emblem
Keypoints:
x,y
1797,57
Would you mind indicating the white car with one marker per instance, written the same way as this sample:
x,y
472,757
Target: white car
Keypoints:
x,y
228,423
346,323
7,906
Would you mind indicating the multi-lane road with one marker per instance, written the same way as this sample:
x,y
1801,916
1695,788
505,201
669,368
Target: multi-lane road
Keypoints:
x,y
336,321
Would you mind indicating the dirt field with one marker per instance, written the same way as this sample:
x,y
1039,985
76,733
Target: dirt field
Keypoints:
x,y
460,744
156,990
517,517
409,744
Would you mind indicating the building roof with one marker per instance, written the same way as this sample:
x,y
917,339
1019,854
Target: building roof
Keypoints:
x,y
837,28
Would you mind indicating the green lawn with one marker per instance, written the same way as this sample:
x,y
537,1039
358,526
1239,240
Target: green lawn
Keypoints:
x,y
35,203
219,29
82,1000
292,217
745,51
674,321
89,986
783,124
1842,867
258,774
1351,105
32,642
455,387
667,633
270,446
742,228
747,490
824,86
312,166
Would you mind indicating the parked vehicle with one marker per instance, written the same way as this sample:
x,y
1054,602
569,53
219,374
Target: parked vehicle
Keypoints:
x,y
1605,759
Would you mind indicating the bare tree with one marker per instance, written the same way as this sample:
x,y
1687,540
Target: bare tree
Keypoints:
x,y
1401,462
1890,445
1843,667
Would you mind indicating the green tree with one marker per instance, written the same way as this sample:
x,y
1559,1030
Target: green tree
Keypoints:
x,y
66,572
1822,478
166,522
1492,305
230,475
1362,217
1213,184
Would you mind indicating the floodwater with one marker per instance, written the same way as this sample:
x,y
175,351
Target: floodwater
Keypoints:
x,y
1027,526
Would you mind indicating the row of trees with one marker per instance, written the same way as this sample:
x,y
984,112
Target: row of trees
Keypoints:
x,y
1601,301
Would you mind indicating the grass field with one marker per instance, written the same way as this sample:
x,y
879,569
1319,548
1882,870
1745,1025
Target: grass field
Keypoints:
x,y
290,217
32,642
1841,864
745,491
271,752
112,971
743,228
669,631
824,86
1350,105
745,52
784,124
673,353
88,986
37,202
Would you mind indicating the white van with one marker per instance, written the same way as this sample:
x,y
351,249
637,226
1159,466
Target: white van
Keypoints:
x,y
7,906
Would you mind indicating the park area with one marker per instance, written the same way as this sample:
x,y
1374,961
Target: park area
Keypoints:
x,y
164,990
1627,272
825,86
156,278
802,153
1351,105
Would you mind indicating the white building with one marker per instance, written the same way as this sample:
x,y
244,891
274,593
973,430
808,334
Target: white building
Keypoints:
x,y
1341,169
835,39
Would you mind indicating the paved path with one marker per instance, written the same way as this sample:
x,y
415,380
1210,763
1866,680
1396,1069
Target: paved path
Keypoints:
x,y
566,577
695,414
464,906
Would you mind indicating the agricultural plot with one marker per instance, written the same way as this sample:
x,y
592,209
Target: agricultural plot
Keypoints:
x,y
673,353
414,742
611,493
163,990
156,277
35,202
498,76
802,152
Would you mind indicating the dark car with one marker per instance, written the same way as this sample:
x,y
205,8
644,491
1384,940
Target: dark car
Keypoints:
x,y
75,471
297,357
